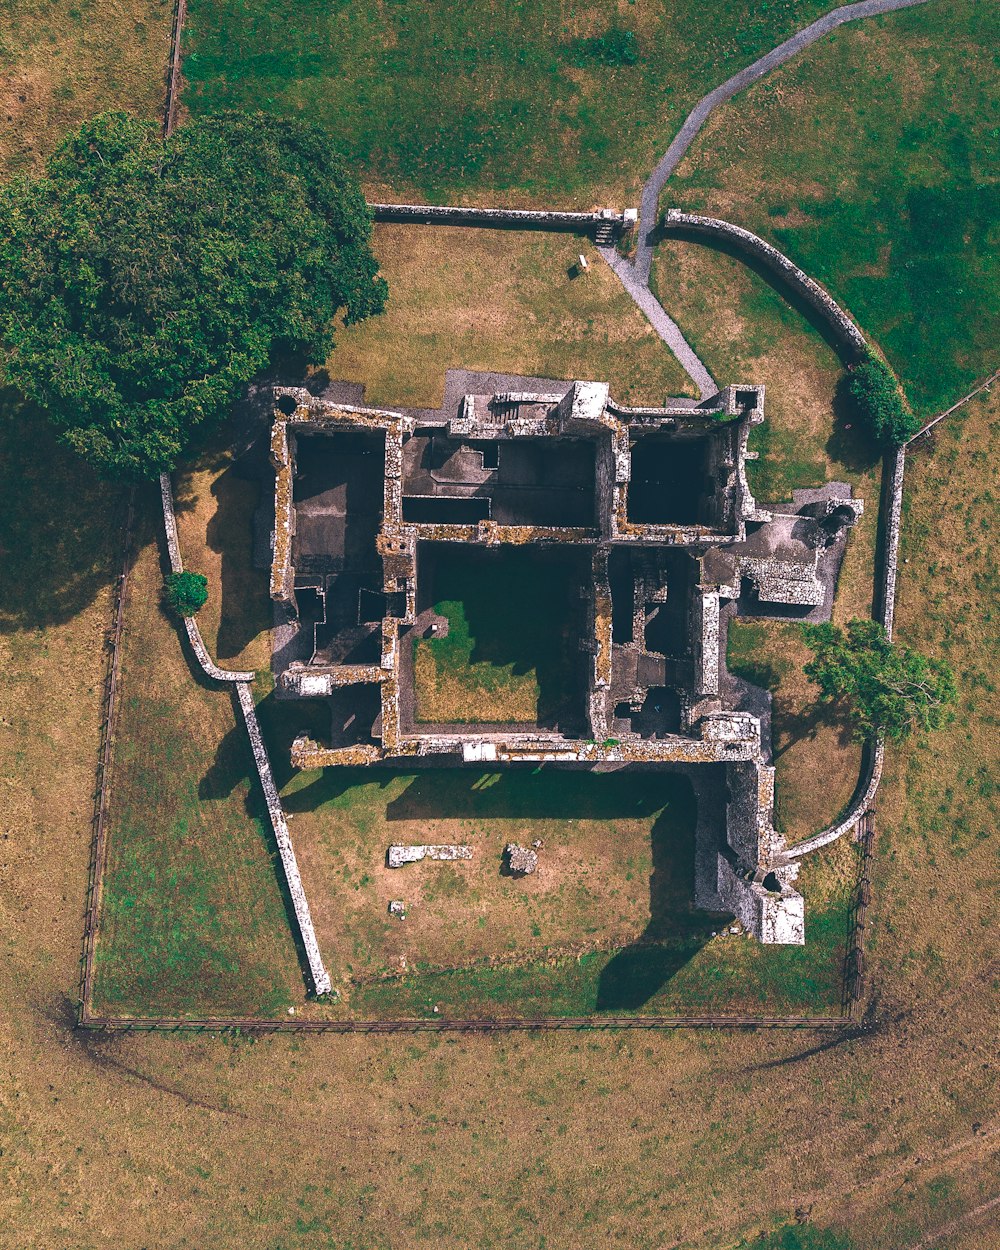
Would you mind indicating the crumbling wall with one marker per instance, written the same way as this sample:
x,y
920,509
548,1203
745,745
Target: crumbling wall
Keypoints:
x,y
320,976
773,917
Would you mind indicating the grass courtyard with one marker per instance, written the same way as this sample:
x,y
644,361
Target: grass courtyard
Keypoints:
x,y
509,653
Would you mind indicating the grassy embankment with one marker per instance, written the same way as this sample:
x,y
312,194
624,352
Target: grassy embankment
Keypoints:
x,y
746,331
452,101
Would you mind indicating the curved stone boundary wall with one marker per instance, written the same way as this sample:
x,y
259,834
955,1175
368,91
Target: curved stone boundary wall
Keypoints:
x,y
694,121
885,604
604,219
814,295
241,681
177,566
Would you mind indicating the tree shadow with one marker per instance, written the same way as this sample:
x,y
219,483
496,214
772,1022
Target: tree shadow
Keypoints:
x,y
851,442
60,525
794,727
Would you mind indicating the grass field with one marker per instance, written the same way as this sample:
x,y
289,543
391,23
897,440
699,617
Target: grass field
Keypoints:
x,y
504,301
532,99
523,1140
61,63
816,761
871,160
505,657
300,1142
193,920
191,912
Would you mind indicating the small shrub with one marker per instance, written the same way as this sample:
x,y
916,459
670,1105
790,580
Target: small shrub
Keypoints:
x,y
615,47
877,395
185,593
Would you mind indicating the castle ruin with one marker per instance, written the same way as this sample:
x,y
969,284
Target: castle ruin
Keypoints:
x,y
650,511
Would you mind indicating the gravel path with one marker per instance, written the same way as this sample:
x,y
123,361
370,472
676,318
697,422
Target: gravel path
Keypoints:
x,y
667,329
634,275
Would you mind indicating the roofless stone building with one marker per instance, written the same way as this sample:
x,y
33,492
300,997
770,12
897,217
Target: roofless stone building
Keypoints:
x,y
648,508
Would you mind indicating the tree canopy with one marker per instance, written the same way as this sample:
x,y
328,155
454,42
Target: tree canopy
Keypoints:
x,y
147,280
185,593
876,393
890,688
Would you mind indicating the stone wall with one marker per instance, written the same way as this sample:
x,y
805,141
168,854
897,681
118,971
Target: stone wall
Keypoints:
x,y
848,335
241,681
773,917
320,977
604,220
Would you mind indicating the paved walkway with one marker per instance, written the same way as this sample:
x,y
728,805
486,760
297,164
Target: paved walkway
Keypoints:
x,y
634,275
667,329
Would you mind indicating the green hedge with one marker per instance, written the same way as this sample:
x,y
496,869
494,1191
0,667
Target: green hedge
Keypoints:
x,y
185,593
876,393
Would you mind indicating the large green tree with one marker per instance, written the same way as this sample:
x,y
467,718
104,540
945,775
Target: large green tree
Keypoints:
x,y
889,688
147,280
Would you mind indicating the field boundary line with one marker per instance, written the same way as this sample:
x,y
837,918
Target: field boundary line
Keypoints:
x,y
109,708
498,1024
174,68
983,386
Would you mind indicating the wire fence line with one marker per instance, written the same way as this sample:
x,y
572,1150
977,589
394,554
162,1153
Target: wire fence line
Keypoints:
x,y
109,710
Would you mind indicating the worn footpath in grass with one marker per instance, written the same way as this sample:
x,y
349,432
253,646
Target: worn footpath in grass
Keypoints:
x,y
871,160
60,63
542,101
507,655
192,915
506,301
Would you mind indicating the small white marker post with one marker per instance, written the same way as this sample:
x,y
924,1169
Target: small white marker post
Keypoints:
x,y
583,263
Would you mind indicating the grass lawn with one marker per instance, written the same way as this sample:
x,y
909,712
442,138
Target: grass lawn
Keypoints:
x,y
815,759
604,925
192,914
62,62
193,919
503,301
871,160
218,1140
508,655
745,331
450,100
